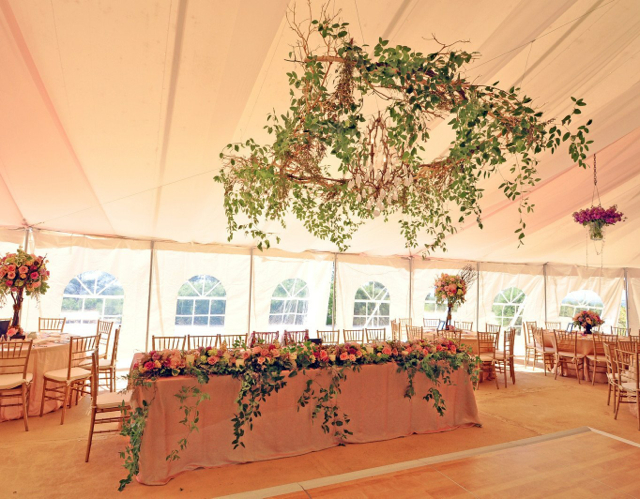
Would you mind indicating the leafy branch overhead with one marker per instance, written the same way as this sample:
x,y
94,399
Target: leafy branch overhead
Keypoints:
x,y
351,146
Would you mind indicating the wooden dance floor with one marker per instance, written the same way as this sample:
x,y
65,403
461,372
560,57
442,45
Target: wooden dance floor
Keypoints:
x,y
577,463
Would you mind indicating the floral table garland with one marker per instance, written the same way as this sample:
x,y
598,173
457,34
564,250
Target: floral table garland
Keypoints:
x,y
265,368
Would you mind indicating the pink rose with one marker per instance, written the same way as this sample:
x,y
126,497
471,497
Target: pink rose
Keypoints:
x,y
352,358
344,356
11,268
212,360
386,350
148,365
35,275
12,331
11,275
261,360
256,350
23,269
9,283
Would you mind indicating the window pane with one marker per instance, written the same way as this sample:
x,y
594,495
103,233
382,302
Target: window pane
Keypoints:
x,y
71,304
184,321
202,307
218,306
93,304
199,320
216,321
185,307
277,306
113,306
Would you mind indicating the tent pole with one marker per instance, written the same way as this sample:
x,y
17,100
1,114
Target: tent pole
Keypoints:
x,y
250,292
333,304
478,297
411,287
27,232
626,294
151,261
544,272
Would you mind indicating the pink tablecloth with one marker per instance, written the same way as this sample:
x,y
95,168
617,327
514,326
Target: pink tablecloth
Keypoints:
x,y
41,360
373,399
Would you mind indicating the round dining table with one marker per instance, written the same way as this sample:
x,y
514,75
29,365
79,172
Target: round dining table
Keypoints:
x,y
47,354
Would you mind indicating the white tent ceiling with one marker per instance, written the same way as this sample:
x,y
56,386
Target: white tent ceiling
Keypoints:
x,y
115,112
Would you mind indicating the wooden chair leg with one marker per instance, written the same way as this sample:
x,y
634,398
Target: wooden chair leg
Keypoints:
x,y
44,391
579,369
615,415
609,395
93,422
495,373
557,364
25,409
593,374
504,365
64,402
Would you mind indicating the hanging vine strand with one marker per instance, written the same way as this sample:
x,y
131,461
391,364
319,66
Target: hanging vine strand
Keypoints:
x,y
335,166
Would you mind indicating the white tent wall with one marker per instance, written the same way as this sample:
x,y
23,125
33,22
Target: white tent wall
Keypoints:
x,y
607,283
126,260
174,264
633,302
354,271
425,273
495,278
272,268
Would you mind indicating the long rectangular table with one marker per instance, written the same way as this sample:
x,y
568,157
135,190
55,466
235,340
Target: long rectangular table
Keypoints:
x,y
373,399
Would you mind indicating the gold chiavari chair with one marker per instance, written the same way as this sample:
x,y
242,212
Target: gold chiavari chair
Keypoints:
x,y
375,334
105,403
293,337
267,337
104,330
620,331
597,358
232,340
612,373
46,325
565,345
353,335
451,334
159,343
15,381
629,384
202,341
107,367
464,325
546,353
73,376
430,324
486,349
626,345
528,341
492,328
414,333
504,358
329,337
552,325
405,322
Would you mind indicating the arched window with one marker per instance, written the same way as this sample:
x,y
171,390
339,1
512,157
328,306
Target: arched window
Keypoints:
x,y
576,301
372,305
290,303
91,296
201,304
432,308
508,306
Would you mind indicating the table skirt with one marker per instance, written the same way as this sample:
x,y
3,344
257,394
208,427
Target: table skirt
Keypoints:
x,y
373,399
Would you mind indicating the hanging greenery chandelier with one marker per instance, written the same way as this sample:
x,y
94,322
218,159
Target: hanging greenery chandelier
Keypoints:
x,y
351,146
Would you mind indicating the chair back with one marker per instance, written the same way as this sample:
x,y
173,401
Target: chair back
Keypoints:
x,y
353,335
375,334
464,325
553,325
627,366
293,337
329,337
609,351
620,331
46,325
528,333
104,330
450,334
95,380
628,346
81,348
508,340
600,340
414,333
267,337
405,322
565,342
486,343
430,323
492,328
232,340
114,350
202,341
159,343
14,357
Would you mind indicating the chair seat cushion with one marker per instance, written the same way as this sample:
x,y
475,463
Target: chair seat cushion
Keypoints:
x,y
8,381
486,357
500,355
102,363
546,349
630,386
61,374
571,355
110,400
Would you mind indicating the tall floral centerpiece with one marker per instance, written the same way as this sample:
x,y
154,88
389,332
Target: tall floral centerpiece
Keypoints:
x,y
450,289
21,273
586,320
596,218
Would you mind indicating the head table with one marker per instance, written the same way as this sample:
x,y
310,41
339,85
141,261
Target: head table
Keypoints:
x,y
47,354
373,399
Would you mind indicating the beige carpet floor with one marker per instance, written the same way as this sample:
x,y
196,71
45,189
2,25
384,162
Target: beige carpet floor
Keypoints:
x,y
48,461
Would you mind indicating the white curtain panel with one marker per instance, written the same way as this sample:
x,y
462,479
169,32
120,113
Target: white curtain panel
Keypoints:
x,y
607,283
353,272
425,273
633,280
290,291
175,264
126,260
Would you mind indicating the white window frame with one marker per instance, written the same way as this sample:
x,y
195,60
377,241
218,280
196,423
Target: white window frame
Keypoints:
x,y
199,295
92,316
519,306
294,304
380,297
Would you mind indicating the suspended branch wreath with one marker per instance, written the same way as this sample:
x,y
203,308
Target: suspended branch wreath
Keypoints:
x,y
350,148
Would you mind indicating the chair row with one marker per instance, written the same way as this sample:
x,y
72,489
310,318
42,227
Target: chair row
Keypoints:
x,y
623,375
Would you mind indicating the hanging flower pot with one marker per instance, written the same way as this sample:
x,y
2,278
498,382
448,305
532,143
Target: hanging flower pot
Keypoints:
x,y
596,218
596,230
